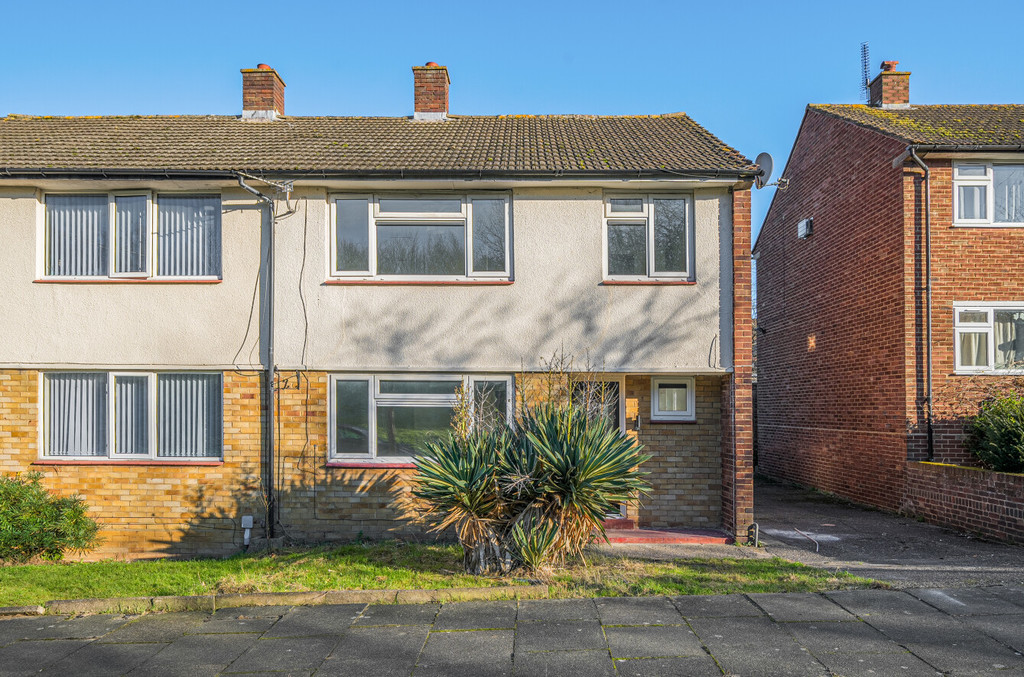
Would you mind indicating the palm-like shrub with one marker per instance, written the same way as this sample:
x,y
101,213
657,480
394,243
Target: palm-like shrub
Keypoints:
x,y
532,494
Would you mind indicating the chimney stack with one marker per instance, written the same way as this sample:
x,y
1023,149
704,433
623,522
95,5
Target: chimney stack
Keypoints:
x,y
891,88
430,88
262,93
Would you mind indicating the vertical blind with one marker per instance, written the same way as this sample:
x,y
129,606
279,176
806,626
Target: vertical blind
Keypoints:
x,y
76,413
77,233
188,230
189,415
131,414
130,234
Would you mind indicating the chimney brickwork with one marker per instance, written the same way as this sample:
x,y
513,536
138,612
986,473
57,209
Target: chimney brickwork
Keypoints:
x,y
430,90
262,93
891,88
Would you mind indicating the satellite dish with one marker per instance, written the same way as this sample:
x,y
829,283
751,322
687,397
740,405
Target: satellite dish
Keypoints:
x,y
765,162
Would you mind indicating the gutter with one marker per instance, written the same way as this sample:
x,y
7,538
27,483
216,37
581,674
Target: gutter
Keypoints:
x,y
911,153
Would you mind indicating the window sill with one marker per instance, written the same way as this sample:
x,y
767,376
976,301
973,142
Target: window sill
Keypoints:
x,y
672,421
997,226
126,280
131,461
367,465
991,372
431,283
647,282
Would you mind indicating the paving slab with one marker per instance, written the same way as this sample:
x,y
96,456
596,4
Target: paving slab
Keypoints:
x,y
329,619
801,607
691,666
564,663
637,611
652,641
925,629
284,654
29,657
100,660
899,663
157,627
275,611
847,637
1010,593
200,654
228,626
1004,629
557,610
477,616
378,651
13,629
559,636
62,627
967,601
971,655
755,646
398,614
867,603
467,653
715,606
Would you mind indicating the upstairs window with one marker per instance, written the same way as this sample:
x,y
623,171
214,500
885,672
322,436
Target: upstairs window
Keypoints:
x,y
989,339
420,237
131,235
648,237
988,194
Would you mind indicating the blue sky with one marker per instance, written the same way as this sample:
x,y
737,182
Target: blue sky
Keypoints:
x,y
743,70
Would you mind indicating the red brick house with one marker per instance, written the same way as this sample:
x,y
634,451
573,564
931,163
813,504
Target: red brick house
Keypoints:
x,y
889,279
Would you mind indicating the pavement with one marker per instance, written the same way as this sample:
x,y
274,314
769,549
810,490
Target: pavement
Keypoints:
x,y
977,631
899,550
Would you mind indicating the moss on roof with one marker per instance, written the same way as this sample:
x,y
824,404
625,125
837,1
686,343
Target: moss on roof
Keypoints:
x,y
985,125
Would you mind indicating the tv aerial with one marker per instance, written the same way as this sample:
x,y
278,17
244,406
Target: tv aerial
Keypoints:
x,y
865,72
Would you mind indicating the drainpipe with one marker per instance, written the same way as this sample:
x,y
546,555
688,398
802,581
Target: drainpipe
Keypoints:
x,y
912,152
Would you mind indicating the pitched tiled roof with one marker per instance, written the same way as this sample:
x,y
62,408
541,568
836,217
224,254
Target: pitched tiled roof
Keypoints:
x,y
465,144
967,125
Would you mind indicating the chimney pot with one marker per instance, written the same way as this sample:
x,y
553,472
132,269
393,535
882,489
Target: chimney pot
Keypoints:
x,y
889,65
430,91
890,88
262,93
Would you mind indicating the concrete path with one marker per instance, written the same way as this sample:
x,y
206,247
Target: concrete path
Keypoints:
x,y
976,631
900,550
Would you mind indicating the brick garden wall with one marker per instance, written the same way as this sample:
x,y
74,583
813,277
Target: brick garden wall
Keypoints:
x,y
150,509
830,357
969,499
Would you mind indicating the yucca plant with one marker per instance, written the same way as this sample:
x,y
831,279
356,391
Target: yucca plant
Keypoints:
x,y
530,494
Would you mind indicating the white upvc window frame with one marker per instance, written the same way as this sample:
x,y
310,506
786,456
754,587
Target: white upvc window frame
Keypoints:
x,y
375,398
111,402
646,218
988,183
375,217
689,415
152,238
987,328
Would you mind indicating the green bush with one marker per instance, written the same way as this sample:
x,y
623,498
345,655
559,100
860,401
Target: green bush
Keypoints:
x,y
996,434
35,523
531,494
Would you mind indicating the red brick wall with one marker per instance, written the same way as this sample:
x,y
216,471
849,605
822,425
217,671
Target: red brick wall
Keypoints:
x,y
262,90
890,88
968,264
830,358
969,499
430,89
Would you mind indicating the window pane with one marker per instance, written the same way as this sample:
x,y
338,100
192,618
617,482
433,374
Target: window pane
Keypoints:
x,y
395,387
974,316
970,170
974,349
189,415
131,415
429,205
352,417
76,414
1009,193
189,235
353,235
405,431
630,205
421,250
1009,339
130,234
627,249
488,235
971,202
669,236
672,397
600,399
77,230
490,403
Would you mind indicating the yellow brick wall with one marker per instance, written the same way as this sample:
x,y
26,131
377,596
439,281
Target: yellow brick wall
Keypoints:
x,y
150,510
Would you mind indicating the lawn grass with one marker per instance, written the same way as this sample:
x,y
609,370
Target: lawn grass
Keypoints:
x,y
402,566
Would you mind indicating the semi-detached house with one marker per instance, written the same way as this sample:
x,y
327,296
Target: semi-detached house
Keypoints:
x,y
166,278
